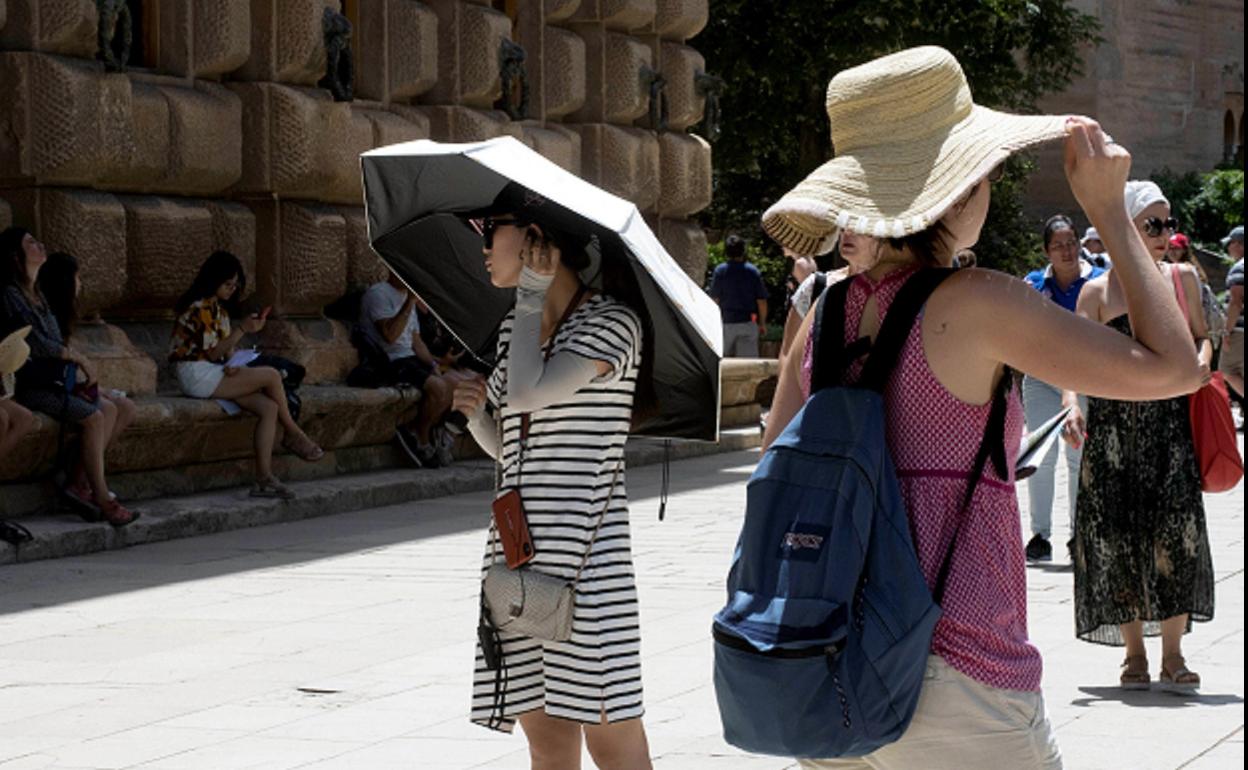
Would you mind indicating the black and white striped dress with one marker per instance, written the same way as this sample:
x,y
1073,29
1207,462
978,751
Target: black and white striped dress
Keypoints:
x,y
569,460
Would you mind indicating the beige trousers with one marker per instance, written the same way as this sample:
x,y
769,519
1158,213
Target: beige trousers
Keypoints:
x,y
961,724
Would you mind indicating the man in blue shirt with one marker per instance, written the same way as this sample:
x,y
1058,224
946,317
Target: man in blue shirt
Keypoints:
x,y
738,288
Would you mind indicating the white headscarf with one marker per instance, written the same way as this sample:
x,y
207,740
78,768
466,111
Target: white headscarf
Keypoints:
x,y
1142,194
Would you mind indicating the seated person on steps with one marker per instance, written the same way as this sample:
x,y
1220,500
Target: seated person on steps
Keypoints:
x,y
388,315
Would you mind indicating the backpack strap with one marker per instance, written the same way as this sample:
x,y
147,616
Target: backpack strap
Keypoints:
x,y
828,347
898,322
821,283
894,332
992,446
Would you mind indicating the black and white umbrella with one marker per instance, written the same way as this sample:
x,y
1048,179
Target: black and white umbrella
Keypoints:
x,y
416,195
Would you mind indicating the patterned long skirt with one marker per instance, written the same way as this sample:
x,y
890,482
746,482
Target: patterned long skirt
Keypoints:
x,y
1141,548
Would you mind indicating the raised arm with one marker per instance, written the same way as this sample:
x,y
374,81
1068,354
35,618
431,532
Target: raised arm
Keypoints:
x,y
1015,325
534,383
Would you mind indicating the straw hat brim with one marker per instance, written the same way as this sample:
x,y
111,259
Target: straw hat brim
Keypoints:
x,y
895,189
14,351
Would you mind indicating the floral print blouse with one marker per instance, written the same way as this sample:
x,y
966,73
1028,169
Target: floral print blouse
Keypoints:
x,y
198,330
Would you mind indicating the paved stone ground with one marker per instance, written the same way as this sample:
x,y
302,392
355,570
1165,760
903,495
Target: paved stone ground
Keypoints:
x,y
345,642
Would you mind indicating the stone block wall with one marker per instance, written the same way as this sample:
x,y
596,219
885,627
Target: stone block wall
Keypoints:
x,y
221,133
1164,82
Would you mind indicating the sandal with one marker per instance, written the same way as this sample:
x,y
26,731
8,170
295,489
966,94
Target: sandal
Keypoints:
x,y
117,514
271,487
1134,674
304,447
82,502
1176,677
14,533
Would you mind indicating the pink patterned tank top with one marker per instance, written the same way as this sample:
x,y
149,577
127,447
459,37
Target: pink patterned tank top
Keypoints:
x,y
933,438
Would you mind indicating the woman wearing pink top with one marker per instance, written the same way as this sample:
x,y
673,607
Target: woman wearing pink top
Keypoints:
x,y
923,189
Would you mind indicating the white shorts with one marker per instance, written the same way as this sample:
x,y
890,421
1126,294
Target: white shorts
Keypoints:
x,y
199,379
962,724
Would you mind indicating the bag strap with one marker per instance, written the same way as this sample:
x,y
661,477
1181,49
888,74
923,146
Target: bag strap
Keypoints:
x,y
821,283
898,322
602,515
828,346
831,356
593,537
1180,292
991,447
828,370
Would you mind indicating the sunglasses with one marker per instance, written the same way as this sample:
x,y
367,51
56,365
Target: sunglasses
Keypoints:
x,y
1154,226
489,225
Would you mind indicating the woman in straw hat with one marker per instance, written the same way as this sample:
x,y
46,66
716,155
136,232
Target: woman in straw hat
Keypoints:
x,y
15,420
915,156
1141,550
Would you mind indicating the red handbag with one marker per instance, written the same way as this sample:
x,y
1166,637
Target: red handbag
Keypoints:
x,y
1213,428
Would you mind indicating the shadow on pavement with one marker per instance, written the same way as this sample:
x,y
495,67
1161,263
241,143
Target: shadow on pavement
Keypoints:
x,y
1054,567
72,579
1152,698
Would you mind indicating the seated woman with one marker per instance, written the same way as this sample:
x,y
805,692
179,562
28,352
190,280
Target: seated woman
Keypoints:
x,y
203,340
61,285
49,384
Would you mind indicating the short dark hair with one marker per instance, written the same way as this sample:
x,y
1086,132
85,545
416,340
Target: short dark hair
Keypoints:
x,y
734,246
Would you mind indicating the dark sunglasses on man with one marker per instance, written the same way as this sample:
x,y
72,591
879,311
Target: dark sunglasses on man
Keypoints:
x,y
1154,226
490,224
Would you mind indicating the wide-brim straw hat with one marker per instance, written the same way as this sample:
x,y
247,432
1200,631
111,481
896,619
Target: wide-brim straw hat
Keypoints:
x,y
909,143
14,351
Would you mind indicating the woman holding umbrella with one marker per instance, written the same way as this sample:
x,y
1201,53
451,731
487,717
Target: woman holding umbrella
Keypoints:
x,y
556,413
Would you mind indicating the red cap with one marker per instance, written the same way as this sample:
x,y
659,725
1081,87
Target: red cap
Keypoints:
x,y
1180,241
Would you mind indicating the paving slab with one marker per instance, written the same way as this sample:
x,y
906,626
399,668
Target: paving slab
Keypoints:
x,y
345,642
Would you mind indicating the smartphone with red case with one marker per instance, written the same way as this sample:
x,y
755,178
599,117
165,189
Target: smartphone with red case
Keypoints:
x,y
513,529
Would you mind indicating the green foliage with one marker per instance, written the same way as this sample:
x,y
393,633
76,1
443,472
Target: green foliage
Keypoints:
x,y
1206,205
777,59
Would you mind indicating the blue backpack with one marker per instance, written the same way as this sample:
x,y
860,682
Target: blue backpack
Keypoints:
x,y
822,647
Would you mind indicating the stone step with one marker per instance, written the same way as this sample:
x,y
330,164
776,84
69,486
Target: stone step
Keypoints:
x,y
167,518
